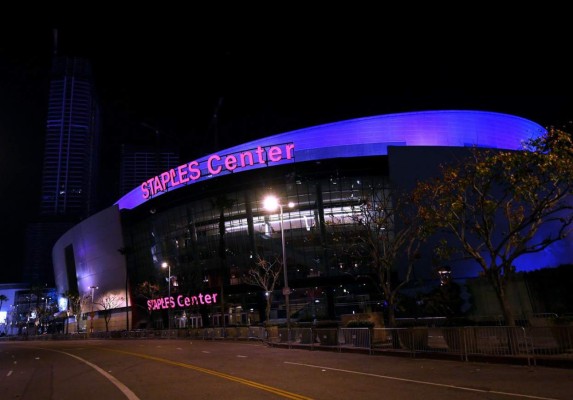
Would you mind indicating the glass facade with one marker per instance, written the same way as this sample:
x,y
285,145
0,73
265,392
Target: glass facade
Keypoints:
x,y
216,231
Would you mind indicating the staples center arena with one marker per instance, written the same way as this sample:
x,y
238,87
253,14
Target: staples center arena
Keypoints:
x,y
158,253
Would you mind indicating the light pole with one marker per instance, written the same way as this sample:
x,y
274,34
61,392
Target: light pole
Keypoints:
x,y
271,203
166,265
93,288
46,314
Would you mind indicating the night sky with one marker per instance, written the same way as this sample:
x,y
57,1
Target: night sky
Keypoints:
x,y
262,76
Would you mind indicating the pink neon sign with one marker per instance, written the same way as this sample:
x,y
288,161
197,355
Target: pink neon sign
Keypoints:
x,y
181,301
191,171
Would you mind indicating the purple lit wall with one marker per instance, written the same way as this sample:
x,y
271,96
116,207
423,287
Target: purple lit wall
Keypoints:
x,y
371,137
98,262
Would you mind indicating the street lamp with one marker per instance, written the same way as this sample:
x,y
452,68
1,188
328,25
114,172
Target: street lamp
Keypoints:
x,y
271,203
165,265
93,288
46,314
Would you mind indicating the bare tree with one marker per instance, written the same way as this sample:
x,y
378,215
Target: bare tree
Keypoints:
x,y
265,274
108,303
384,235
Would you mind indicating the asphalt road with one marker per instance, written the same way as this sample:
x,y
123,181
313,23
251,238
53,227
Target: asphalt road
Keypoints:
x,y
185,369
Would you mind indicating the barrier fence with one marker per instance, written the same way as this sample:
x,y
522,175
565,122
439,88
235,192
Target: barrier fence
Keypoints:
x,y
529,344
465,343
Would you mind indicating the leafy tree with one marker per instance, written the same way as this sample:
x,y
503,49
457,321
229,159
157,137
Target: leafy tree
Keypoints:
x,y
265,274
383,244
493,205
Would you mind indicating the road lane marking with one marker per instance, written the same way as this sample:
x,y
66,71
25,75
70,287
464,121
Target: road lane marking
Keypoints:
x,y
423,382
124,389
271,389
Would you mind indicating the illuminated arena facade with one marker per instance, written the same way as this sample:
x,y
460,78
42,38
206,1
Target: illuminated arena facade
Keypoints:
x,y
175,218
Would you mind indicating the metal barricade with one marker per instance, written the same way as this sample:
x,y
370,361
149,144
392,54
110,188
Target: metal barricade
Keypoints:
x,y
360,338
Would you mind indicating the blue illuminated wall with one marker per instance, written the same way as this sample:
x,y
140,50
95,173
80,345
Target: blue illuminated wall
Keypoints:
x,y
373,135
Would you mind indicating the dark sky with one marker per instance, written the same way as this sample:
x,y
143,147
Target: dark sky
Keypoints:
x,y
265,76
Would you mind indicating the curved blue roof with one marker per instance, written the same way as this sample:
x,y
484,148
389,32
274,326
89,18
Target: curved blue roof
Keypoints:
x,y
359,137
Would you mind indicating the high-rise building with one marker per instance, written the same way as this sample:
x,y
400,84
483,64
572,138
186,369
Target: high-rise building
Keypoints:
x,y
71,167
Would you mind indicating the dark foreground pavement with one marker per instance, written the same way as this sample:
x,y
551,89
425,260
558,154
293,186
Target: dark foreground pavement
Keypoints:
x,y
200,369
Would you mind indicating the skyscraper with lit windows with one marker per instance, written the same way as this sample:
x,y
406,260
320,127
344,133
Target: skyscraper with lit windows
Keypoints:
x,y
70,168
71,163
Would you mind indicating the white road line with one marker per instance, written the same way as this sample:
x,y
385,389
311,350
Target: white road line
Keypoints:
x,y
424,382
9,373
124,389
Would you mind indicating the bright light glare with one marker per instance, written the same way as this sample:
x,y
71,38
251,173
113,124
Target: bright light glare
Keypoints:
x,y
270,203
164,265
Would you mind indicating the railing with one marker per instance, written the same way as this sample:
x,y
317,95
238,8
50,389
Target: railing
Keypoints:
x,y
466,343
528,344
